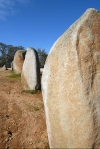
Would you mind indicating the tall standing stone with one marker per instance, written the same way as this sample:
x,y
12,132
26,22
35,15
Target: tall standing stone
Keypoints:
x,y
71,85
31,71
18,61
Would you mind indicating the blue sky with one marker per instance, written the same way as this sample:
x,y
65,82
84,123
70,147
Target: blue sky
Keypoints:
x,y
39,23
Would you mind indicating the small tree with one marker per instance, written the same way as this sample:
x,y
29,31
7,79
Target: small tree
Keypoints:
x,y
3,54
7,54
42,56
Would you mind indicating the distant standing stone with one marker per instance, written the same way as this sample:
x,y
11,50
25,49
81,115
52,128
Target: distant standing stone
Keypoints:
x,y
30,77
18,61
12,65
71,86
4,67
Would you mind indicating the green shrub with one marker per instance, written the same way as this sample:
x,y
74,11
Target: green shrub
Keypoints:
x,y
32,108
14,75
30,91
36,109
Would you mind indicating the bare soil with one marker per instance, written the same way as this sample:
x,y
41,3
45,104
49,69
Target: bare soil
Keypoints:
x,y
22,117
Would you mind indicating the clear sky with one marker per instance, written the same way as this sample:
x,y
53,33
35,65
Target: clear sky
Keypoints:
x,y
39,23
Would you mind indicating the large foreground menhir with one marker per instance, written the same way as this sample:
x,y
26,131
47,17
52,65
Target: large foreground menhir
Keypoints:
x,y
71,85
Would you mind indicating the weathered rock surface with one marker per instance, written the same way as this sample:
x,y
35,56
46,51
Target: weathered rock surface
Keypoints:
x,y
18,61
31,71
71,85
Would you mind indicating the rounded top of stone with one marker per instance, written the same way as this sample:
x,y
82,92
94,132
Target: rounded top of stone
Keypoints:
x,y
30,48
89,10
20,50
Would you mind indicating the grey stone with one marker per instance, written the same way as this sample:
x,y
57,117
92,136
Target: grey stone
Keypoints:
x,y
12,65
4,67
30,77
